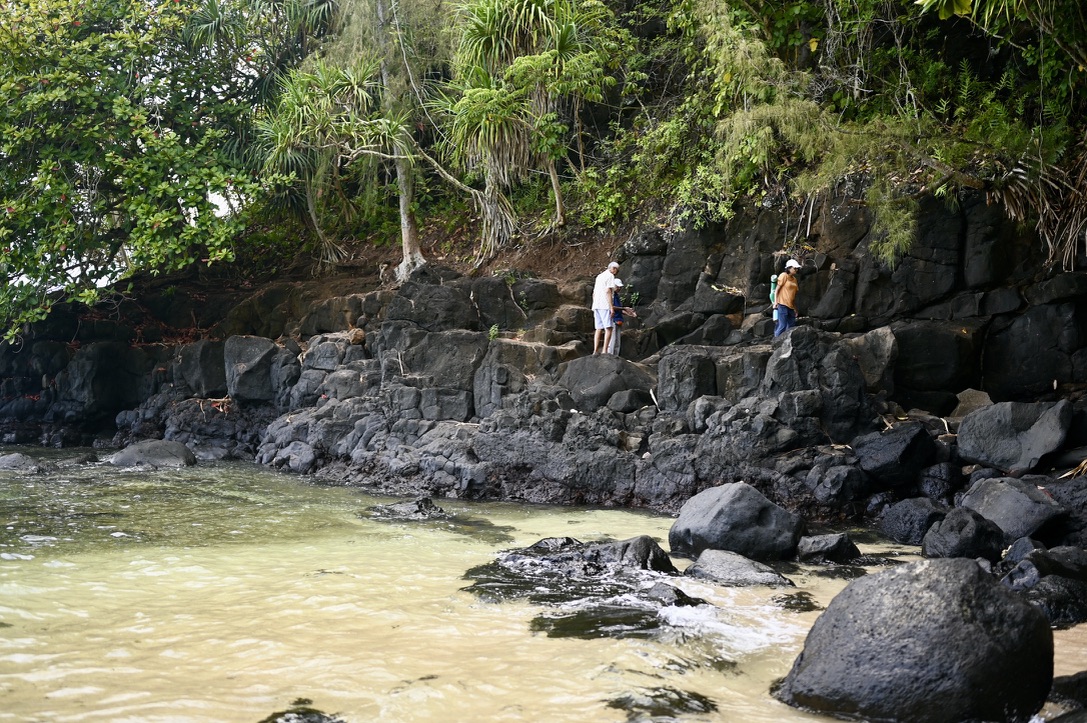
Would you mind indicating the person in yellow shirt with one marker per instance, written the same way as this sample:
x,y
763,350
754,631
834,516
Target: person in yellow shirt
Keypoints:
x,y
785,298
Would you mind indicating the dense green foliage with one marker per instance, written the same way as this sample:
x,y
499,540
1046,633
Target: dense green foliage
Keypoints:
x,y
122,133
110,150
122,124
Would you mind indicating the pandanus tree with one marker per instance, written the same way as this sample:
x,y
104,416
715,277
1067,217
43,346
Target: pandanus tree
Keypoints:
x,y
519,67
323,121
341,153
487,130
403,40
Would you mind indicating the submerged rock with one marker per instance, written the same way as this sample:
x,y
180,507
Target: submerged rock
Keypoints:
x,y
422,508
23,463
938,641
572,557
562,569
154,453
732,570
423,511
662,704
302,714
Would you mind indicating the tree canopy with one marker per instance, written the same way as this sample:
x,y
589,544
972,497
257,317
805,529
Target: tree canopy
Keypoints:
x,y
122,133
133,136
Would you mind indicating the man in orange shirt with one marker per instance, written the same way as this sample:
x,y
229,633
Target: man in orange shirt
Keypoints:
x,y
785,298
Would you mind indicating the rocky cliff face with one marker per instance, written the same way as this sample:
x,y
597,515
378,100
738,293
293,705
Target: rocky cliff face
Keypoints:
x,y
484,387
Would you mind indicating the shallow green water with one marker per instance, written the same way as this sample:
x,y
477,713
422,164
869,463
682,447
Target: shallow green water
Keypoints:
x,y
227,592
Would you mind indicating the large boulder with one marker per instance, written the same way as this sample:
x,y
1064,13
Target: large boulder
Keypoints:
x,y
102,379
248,361
937,641
896,456
935,355
735,517
963,533
684,374
201,367
508,367
592,380
1014,435
810,360
908,521
740,372
1026,353
875,353
683,264
430,359
495,300
434,307
1018,507
154,453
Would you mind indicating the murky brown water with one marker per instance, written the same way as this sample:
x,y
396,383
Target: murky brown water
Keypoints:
x,y
226,593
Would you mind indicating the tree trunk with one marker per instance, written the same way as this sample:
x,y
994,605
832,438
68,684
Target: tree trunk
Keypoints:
x,y
331,252
409,227
578,134
560,209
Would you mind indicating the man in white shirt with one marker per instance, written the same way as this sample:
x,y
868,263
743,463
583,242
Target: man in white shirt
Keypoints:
x,y
603,309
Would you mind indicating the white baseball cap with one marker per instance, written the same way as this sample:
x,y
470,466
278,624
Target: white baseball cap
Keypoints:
x,y
792,264
618,282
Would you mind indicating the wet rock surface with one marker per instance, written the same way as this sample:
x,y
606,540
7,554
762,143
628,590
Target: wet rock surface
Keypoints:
x,y
940,641
154,453
738,518
733,570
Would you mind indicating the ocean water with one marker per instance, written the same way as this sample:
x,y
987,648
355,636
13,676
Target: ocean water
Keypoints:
x,y
229,592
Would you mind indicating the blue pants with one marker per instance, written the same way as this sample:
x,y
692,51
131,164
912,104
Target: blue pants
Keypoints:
x,y
786,319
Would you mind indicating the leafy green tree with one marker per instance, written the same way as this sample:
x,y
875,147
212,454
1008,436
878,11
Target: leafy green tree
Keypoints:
x,y
111,151
570,68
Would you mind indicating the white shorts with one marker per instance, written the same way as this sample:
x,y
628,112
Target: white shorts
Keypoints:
x,y
602,318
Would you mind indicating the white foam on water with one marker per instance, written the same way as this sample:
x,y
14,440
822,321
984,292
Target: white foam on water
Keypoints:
x,y
737,631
